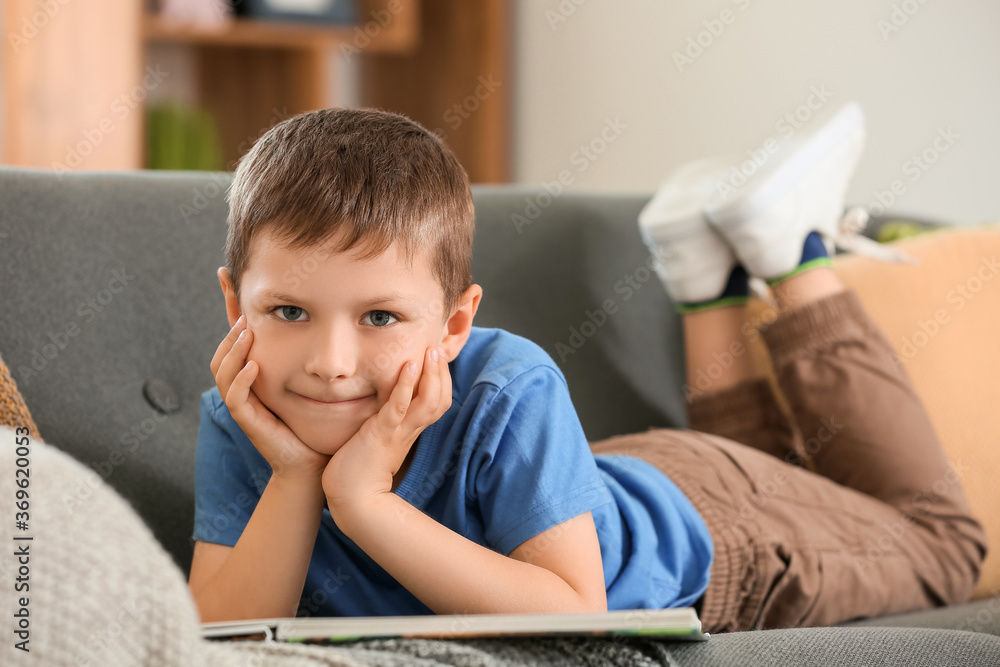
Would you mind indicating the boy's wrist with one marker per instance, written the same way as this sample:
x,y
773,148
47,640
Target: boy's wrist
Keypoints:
x,y
352,514
304,477
306,472
301,488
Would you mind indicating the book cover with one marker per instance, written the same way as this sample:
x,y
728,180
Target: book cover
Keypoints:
x,y
678,624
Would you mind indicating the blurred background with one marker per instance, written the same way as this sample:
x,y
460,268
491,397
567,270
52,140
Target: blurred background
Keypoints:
x,y
605,95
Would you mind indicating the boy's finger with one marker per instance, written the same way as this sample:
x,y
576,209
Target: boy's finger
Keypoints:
x,y
237,397
227,344
428,391
445,389
235,360
392,413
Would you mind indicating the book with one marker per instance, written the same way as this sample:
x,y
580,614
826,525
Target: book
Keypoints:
x,y
675,624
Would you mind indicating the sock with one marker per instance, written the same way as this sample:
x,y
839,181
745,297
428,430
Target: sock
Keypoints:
x,y
813,254
736,292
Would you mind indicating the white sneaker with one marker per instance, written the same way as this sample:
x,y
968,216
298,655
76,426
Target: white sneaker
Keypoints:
x,y
694,261
799,189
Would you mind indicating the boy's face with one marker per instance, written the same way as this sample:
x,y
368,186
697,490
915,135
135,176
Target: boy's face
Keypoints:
x,y
331,333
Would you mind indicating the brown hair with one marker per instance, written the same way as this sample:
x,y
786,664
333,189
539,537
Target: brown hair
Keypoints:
x,y
379,177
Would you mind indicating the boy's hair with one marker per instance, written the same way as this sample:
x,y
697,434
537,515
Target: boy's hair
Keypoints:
x,y
379,177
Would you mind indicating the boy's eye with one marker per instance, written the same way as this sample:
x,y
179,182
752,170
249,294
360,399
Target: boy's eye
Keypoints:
x,y
380,318
290,313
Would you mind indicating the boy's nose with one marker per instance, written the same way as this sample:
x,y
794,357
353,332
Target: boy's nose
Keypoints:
x,y
333,354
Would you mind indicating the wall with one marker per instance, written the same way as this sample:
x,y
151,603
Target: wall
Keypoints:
x,y
667,82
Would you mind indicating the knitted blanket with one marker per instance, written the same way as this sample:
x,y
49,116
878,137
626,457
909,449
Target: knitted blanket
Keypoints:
x,y
96,588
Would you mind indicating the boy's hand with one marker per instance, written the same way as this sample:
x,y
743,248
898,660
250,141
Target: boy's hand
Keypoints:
x,y
365,465
288,456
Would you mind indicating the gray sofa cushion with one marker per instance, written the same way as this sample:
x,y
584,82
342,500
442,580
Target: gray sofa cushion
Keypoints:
x,y
107,286
979,616
576,281
812,647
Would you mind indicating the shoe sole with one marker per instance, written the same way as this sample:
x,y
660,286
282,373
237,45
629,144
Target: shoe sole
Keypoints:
x,y
675,217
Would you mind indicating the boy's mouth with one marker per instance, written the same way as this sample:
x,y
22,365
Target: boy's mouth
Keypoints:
x,y
334,401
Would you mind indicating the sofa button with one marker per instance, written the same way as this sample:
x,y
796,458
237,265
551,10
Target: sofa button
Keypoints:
x,y
161,396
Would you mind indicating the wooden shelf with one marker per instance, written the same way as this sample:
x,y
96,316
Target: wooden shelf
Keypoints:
x,y
457,81
75,93
398,35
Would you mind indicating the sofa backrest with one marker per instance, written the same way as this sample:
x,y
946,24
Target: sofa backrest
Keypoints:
x,y
112,312
108,289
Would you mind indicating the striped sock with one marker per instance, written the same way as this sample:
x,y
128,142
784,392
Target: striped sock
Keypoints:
x,y
813,255
737,292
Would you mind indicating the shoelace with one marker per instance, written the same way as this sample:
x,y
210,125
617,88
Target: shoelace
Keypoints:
x,y
850,239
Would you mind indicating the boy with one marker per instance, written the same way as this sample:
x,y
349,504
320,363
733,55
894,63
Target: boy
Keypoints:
x,y
465,485
349,282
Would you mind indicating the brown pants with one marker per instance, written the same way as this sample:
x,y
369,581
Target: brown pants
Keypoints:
x,y
881,526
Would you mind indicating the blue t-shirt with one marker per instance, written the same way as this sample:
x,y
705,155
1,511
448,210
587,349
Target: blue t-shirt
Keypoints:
x,y
507,461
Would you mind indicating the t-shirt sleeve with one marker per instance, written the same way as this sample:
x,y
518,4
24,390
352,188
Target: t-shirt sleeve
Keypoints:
x,y
228,478
533,468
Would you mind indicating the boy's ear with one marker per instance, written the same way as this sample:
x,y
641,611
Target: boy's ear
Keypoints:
x,y
232,305
459,325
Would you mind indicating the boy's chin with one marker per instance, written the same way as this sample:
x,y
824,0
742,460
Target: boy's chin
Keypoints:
x,y
322,436
323,444
325,440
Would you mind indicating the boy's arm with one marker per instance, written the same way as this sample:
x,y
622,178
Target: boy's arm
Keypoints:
x,y
558,570
263,575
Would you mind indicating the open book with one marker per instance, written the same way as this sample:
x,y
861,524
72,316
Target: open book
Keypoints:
x,y
681,624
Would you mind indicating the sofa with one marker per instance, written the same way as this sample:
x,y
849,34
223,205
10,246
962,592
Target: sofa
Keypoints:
x,y
112,312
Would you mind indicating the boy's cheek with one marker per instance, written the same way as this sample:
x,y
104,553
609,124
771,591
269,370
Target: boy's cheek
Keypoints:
x,y
384,386
260,352
253,354
398,372
265,371
386,364
262,371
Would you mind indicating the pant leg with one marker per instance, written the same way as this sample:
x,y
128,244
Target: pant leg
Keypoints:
x,y
865,427
862,423
747,413
914,542
794,548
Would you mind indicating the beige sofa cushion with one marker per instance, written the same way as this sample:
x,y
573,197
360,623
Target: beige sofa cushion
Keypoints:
x,y
943,319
